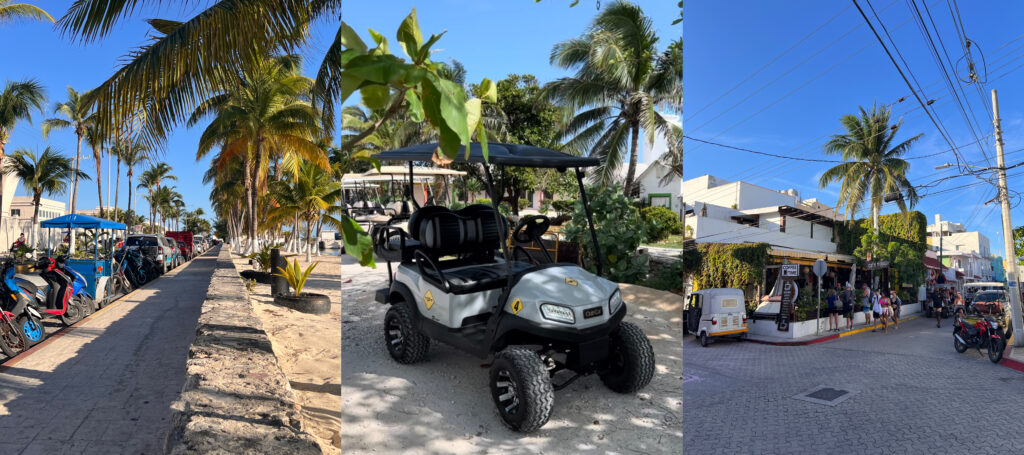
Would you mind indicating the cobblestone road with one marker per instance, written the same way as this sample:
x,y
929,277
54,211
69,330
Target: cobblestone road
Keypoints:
x,y
914,394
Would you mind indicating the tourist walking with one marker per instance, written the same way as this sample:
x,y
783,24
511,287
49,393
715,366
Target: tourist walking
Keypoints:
x,y
896,305
833,310
865,304
884,311
876,307
847,298
937,308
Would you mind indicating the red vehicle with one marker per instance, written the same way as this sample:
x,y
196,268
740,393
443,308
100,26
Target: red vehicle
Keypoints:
x,y
184,237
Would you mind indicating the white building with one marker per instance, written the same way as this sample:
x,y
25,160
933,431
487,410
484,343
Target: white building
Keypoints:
x,y
720,211
22,208
966,252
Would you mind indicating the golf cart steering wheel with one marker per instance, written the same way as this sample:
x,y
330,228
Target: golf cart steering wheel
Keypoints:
x,y
530,228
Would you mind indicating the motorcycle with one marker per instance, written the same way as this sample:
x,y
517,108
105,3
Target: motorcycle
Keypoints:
x,y
63,296
984,333
21,326
131,264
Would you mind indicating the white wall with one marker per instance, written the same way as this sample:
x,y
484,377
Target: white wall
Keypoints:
x,y
712,230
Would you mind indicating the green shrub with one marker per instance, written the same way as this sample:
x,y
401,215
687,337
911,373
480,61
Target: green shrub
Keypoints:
x,y
660,223
261,258
523,203
619,233
729,265
668,279
504,208
483,201
563,205
545,207
455,205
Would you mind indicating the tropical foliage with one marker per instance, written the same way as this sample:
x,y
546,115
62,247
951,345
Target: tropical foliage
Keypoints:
x,y
45,173
17,101
615,222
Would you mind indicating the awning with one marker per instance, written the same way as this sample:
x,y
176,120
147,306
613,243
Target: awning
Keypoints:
x,y
804,257
81,221
932,263
797,254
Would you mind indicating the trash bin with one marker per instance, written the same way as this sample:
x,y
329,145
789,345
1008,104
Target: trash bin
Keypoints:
x,y
278,284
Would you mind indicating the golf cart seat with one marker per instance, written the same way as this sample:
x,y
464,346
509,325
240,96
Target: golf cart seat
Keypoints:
x,y
472,235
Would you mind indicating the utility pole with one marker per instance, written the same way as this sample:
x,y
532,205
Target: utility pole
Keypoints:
x,y
1011,255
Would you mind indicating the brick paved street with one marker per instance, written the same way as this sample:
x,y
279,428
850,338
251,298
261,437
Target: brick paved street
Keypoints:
x,y
106,385
915,394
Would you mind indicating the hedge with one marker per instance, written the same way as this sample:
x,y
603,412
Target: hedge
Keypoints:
x,y
730,265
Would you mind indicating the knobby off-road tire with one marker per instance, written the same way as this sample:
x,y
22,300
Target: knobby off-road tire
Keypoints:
x,y
521,389
404,342
12,340
631,360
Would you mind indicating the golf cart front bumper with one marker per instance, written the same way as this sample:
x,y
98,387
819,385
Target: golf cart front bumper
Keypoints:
x,y
586,349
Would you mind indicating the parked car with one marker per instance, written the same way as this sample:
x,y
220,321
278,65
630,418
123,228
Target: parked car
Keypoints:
x,y
186,238
185,257
200,242
155,247
177,254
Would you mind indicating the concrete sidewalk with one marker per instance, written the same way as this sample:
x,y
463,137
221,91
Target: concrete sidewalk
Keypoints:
x,y
105,385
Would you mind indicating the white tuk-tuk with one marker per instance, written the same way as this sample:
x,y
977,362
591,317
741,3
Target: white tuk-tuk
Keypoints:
x,y
715,313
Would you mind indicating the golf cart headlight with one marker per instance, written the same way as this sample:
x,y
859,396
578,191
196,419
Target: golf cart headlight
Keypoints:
x,y
557,313
614,301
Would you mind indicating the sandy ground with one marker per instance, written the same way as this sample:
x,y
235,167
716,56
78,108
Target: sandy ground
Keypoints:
x,y
443,405
308,347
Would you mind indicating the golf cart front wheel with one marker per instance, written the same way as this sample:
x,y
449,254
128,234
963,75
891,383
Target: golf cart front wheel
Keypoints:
x,y
631,364
521,389
405,343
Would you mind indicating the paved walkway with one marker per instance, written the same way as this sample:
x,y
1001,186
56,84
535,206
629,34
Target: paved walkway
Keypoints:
x,y
913,394
106,384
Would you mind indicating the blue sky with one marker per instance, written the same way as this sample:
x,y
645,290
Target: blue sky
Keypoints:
x,y
494,38
724,46
36,50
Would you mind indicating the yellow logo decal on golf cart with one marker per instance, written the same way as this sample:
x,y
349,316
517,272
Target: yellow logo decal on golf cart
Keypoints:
x,y
428,300
571,282
517,305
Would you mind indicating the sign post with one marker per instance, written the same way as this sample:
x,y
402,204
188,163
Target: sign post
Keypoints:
x,y
820,267
788,272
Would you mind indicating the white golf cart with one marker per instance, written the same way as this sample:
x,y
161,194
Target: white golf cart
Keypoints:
x,y
457,282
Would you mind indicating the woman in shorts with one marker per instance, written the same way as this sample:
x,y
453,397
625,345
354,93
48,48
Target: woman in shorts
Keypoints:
x,y
885,311
937,309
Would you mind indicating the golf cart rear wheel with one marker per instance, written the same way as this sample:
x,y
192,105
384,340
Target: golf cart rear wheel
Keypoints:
x,y
521,389
405,343
631,363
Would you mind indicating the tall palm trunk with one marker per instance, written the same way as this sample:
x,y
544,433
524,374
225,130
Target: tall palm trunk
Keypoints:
x,y
250,205
117,183
128,214
98,154
74,186
36,196
3,215
309,240
634,138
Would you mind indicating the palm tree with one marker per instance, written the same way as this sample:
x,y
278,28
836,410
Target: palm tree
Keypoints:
x,y
78,117
184,62
96,142
873,166
47,173
11,12
151,180
307,196
132,155
265,117
620,79
17,101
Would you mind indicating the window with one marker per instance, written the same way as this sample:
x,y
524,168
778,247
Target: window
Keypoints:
x,y
15,212
660,200
729,303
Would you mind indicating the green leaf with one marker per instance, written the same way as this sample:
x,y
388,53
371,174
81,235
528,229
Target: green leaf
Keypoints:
x,y
381,40
453,108
382,69
434,105
482,137
375,96
473,113
357,242
488,91
409,35
424,54
349,84
415,107
350,39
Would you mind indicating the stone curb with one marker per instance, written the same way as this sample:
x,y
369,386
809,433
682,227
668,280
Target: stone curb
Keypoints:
x,y
236,398
826,337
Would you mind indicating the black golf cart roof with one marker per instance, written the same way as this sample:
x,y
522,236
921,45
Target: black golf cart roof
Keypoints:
x,y
498,154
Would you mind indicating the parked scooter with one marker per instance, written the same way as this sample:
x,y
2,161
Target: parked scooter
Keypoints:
x,y
63,296
20,327
984,333
131,263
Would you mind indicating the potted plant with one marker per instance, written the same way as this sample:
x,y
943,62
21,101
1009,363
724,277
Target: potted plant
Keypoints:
x,y
304,302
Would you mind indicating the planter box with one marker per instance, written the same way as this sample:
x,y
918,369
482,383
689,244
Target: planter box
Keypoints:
x,y
767,328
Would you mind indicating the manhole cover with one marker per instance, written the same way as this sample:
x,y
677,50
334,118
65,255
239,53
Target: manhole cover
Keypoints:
x,y
828,396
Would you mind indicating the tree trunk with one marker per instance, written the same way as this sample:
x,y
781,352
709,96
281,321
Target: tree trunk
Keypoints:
x,y
3,213
128,216
74,186
98,154
633,144
36,196
874,217
117,183
309,240
250,205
